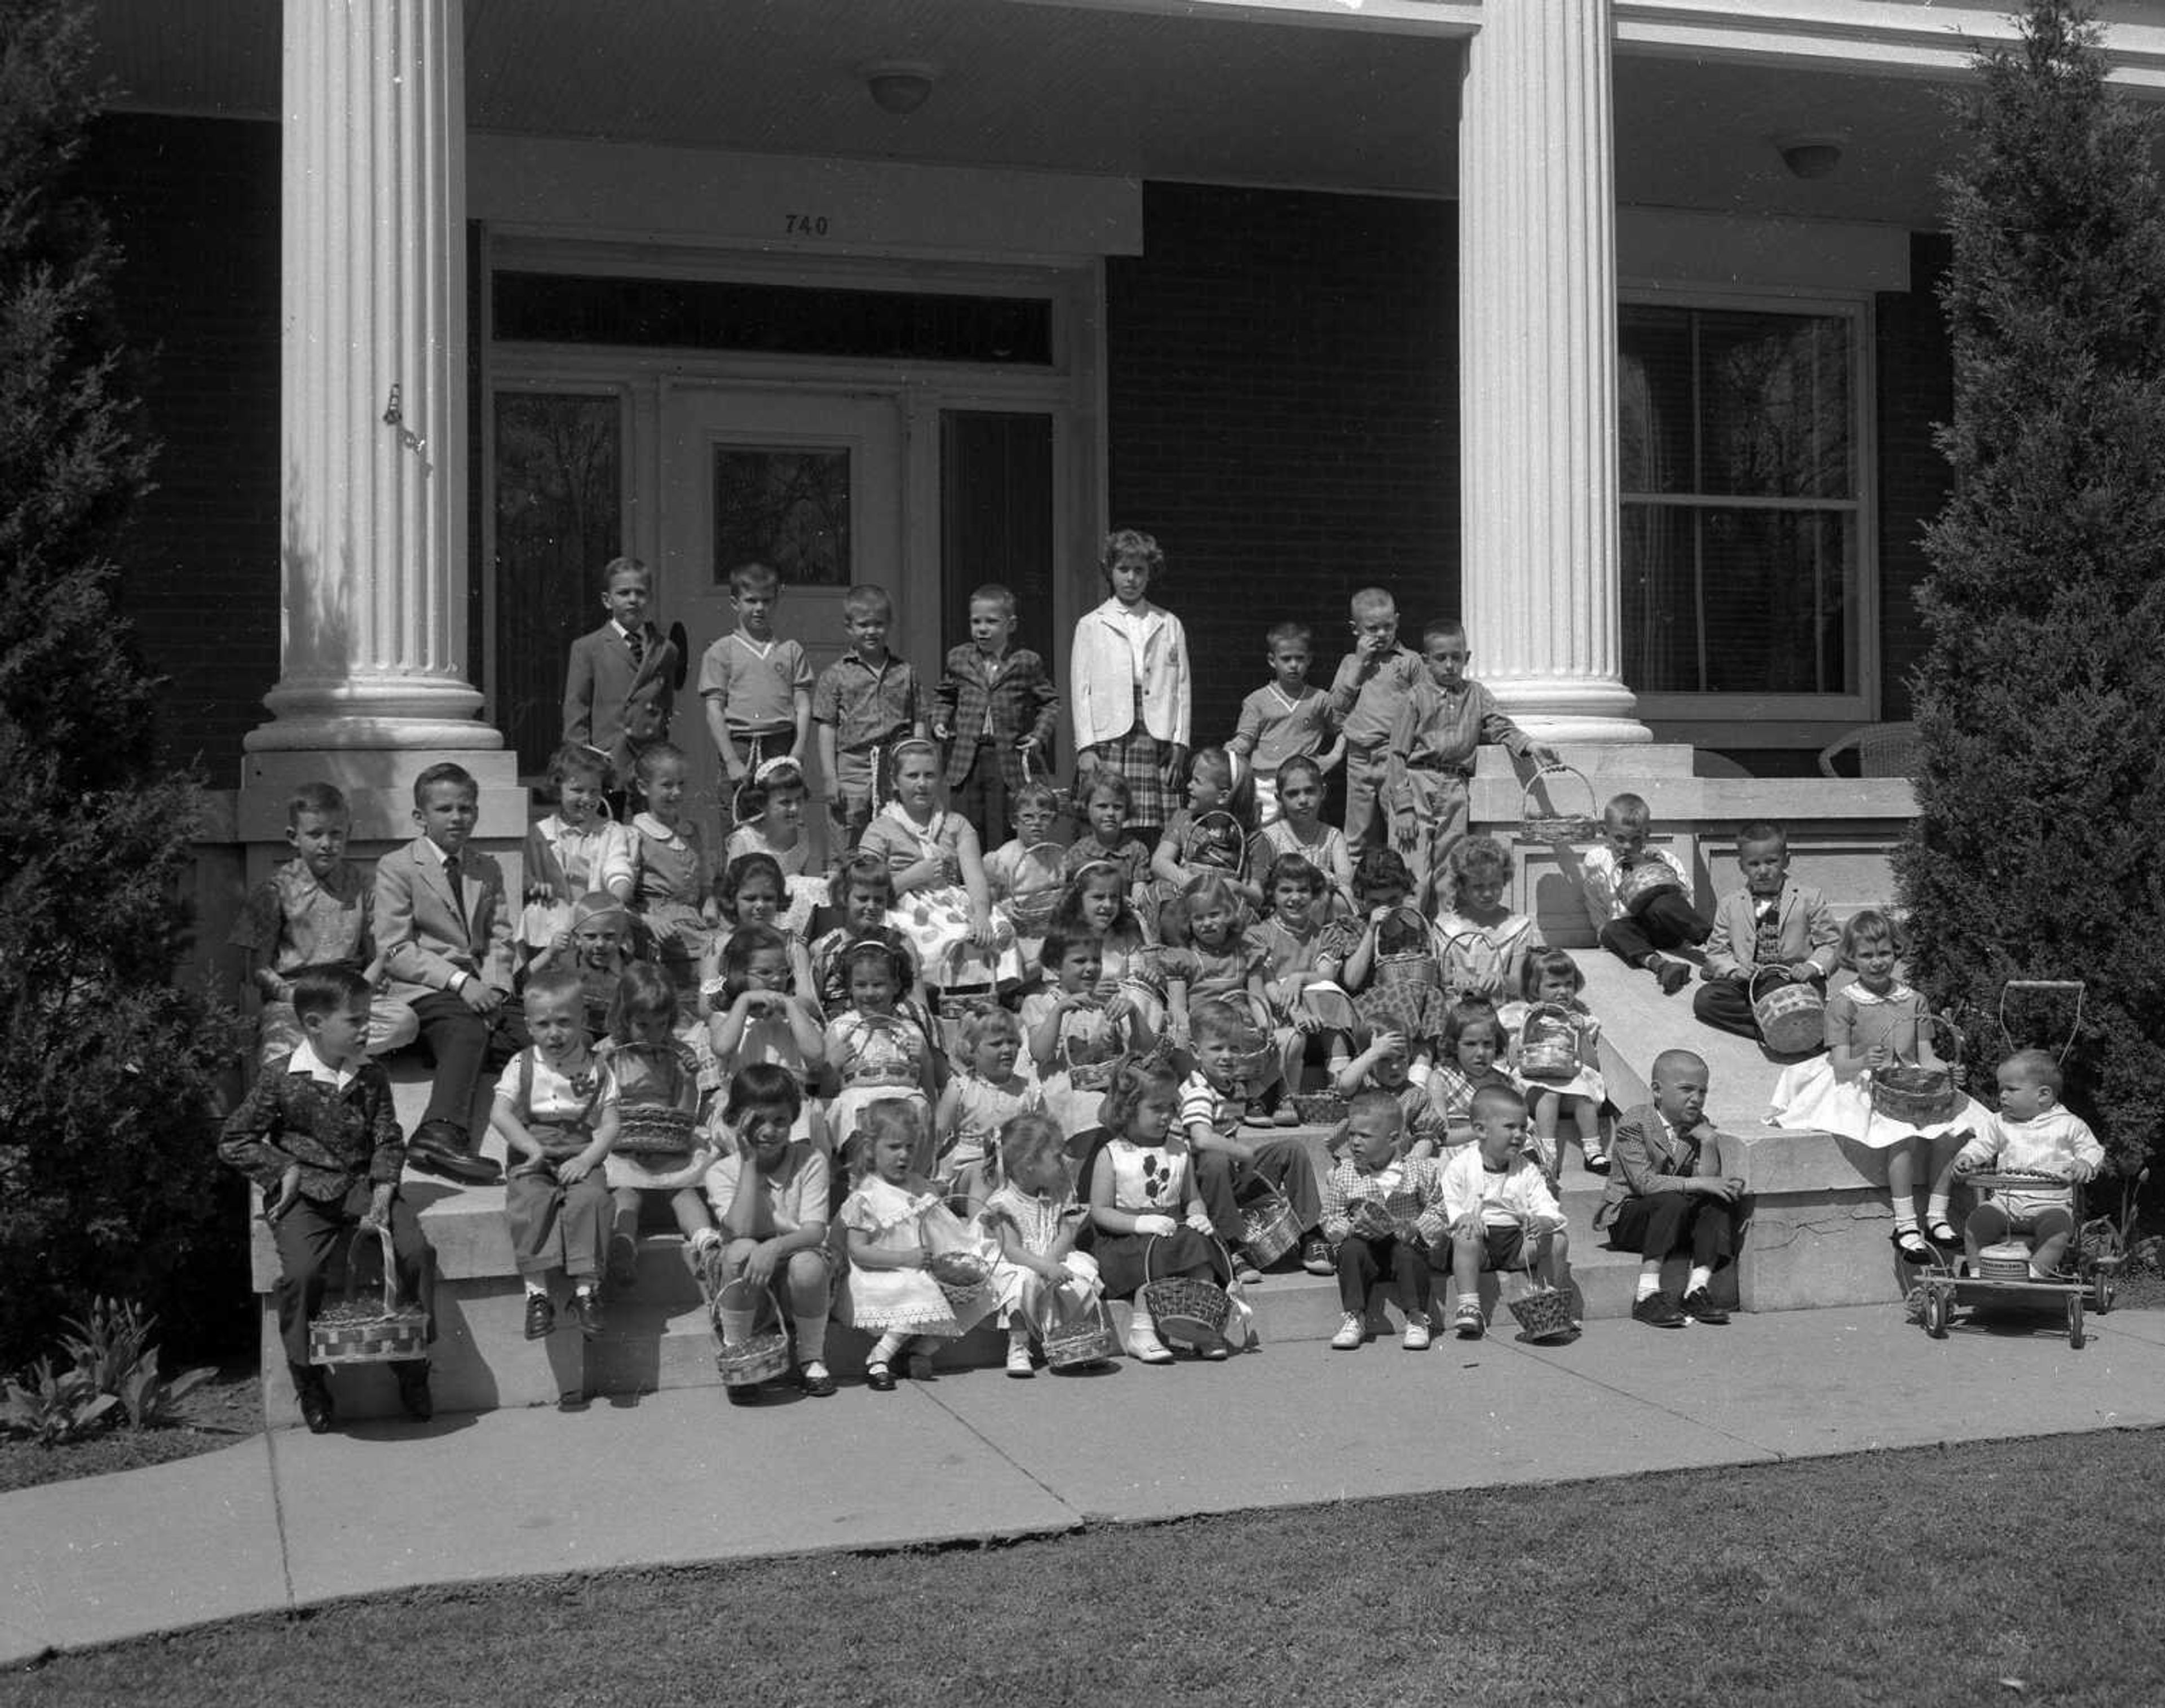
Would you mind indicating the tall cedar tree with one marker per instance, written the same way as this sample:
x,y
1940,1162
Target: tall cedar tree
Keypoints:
x,y
107,1175
2039,852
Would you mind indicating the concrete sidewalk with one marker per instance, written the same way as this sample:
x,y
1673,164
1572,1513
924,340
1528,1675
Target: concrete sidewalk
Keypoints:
x,y
288,1519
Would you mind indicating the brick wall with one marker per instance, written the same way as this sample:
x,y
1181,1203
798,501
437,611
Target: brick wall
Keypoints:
x,y
1283,387
193,203
1916,389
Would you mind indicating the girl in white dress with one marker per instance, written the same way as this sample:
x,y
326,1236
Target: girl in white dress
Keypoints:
x,y
1872,1023
892,1224
1552,977
1034,1217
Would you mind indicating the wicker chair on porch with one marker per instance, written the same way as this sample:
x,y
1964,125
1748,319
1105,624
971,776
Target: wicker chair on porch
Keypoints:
x,y
1883,750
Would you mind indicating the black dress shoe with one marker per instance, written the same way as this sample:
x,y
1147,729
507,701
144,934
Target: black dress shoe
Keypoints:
x,y
813,1380
437,1147
316,1403
879,1378
1657,1310
1699,1306
413,1390
585,1311
541,1316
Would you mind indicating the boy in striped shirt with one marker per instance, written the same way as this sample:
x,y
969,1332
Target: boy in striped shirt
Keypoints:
x,y
1382,1213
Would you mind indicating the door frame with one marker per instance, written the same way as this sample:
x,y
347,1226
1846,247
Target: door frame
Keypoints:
x,y
1072,391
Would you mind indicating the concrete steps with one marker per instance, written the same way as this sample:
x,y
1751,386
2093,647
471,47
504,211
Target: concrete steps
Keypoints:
x,y
1818,1236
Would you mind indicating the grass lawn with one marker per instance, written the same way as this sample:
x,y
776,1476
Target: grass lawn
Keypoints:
x,y
2019,1572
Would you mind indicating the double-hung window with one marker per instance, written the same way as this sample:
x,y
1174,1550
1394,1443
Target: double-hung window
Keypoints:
x,y
1745,548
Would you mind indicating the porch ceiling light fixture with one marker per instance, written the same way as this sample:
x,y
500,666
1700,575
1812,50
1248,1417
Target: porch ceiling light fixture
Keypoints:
x,y
899,86
1810,153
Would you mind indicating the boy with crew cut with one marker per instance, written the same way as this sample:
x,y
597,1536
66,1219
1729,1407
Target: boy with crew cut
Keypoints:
x,y
757,687
319,1137
862,704
445,932
1638,898
1502,1214
1287,717
1442,721
620,683
316,910
995,708
1667,1196
1366,696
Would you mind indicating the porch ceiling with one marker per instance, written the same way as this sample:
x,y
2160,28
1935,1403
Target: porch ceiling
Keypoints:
x,y
1203,98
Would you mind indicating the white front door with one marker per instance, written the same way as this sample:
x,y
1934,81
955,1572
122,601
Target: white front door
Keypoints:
x,y
808,481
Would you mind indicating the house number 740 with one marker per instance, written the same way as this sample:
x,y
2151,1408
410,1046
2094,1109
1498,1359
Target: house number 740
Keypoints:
x,y
804,224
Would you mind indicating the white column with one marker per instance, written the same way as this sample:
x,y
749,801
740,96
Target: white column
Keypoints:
x,y
373,261
1537,334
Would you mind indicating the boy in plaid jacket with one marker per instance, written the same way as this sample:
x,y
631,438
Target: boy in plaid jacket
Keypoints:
x,y
994,703
1382,1213
318,1135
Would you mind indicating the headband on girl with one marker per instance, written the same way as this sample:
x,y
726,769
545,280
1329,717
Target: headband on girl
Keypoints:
x,y
907,744
782,765
1090,868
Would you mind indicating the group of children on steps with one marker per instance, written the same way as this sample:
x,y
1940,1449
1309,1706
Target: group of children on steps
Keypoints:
x,y
1069,1061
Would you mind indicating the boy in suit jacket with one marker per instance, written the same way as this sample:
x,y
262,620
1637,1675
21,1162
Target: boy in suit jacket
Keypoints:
x,y
620,685
443,929
1770,922
992,703
1666,1194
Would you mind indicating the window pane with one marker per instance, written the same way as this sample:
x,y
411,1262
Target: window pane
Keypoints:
x,y
787,509
1779,601
559,519
1774,401
996,518
1654,389
1660,599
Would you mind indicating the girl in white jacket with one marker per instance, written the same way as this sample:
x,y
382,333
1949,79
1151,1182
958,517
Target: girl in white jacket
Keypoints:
x,y
1130,687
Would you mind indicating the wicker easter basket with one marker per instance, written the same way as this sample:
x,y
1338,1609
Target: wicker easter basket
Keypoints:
x,y
1268,1226
1411,960
1086,1338
1548,1044
1644,879
1542,1313
760,1356
647,1129
962,1277
1921,1095
1188,1312
1039,884
365,1330
1791,1014
1553,826
1216,842
1318,1108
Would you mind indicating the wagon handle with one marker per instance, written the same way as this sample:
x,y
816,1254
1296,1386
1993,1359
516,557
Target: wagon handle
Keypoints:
x,y
2059,986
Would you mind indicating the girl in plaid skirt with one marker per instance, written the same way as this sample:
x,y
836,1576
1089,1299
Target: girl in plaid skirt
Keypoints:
x,y
1130,685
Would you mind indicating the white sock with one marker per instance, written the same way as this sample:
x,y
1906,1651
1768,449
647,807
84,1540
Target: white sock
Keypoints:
x,y
885,1349
1650,1281
1018,1335
1701,1275
584,1289
1905,1219
536,1289
1937,1205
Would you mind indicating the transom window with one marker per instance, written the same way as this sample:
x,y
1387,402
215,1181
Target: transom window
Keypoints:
x,y
1743,509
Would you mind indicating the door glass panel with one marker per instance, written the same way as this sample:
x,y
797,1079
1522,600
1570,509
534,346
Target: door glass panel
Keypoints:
x,y
559,519
996,519
788,507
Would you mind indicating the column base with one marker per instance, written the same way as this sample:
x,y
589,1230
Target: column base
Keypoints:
x,y
1557,710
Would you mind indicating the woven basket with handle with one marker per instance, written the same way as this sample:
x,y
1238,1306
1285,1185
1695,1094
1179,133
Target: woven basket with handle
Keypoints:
x,y
1554,825
1187,1312
1791,1013
359,1330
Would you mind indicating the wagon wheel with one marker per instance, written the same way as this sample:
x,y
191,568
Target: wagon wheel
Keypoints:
x,y
2075,1335
1936,1312
2101,1292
